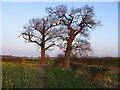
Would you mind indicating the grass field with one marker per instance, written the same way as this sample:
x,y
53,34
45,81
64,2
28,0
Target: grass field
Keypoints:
x,y
18,76
86,74
59,78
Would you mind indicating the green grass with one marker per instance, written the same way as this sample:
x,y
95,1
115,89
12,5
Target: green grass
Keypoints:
x,y
58,78
18,76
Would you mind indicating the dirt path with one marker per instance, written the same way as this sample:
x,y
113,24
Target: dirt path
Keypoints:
x,y
40,83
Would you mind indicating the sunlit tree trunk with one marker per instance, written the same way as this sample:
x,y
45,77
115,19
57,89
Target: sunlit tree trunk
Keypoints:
x,y
42,54
67,54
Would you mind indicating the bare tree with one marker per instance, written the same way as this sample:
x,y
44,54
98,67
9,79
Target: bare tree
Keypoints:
x,y
39,31
75,28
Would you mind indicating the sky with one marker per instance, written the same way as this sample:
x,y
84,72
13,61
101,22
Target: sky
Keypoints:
x,y
60,0
104,40
0,28
119,28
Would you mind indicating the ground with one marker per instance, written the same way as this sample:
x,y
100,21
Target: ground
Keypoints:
x,y
30,74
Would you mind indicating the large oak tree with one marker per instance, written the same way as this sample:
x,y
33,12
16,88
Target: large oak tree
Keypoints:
x,y
39,31
74,29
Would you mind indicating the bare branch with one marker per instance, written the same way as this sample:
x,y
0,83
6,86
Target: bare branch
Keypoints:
x,y
49,46
25,35
40,32
77,21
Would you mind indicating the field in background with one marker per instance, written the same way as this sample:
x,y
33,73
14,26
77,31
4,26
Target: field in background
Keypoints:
x,y
84,72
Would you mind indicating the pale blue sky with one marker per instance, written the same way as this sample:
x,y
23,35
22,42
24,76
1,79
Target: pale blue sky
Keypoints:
x,y
15,15
60,0
1,28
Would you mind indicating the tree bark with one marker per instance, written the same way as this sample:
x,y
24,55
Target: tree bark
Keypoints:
x,y
42,54
66,64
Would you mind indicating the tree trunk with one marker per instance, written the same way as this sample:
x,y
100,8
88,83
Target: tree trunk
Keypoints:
x,y
67,54
42,54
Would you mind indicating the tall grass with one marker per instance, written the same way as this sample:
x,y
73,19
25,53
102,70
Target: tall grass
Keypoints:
x,y
18,76
58,78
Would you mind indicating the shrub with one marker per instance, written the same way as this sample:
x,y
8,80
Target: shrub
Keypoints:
x,y
75,66
59,60
97,75
94,70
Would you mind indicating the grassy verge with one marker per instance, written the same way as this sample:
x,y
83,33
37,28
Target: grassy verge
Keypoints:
x,y
19,76
58,78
